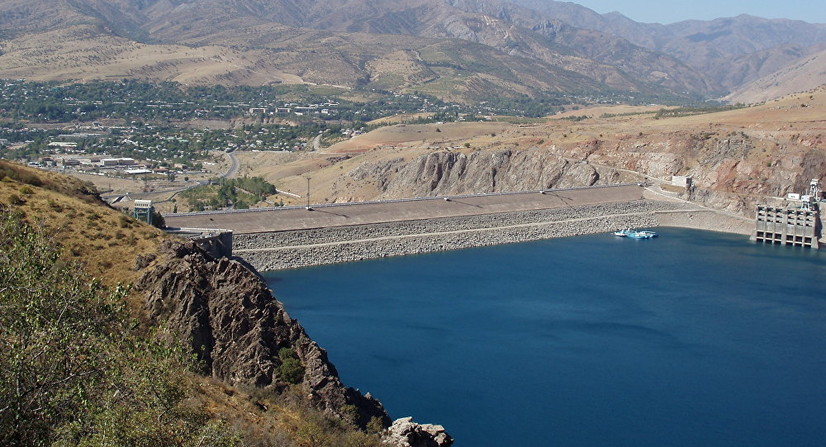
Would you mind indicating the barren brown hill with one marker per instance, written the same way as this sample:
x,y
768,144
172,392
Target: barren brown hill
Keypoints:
x,y
736,158
82,53
463,51
806,74
451,70
730,51
452,50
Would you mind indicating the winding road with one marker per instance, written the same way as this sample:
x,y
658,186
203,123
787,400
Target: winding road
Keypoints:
x,y
233,165
232,171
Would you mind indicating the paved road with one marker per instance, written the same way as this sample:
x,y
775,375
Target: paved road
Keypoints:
x,y
278,219
233,166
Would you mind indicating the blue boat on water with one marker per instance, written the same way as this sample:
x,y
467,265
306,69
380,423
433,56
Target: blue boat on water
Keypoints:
x,y
636,234
642,234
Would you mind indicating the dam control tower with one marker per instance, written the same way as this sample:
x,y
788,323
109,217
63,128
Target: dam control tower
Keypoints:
x,y
814,195
798,223
143,210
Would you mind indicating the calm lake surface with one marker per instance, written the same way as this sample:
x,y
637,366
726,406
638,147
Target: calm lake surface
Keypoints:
x,y
691,339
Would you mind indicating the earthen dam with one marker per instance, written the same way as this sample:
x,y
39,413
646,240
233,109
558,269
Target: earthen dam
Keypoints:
x,y
290,237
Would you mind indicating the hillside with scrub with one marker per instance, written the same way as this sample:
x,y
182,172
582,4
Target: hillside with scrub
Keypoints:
x,y
105,337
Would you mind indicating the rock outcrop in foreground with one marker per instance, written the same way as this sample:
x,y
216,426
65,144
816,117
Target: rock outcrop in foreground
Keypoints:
x,y
232,322
406,433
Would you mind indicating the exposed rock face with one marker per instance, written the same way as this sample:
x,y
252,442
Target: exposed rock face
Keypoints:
x,y
734,163
235,326
450,173
406,433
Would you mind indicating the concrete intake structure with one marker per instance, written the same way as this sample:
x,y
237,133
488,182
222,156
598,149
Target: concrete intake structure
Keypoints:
x,y
787,226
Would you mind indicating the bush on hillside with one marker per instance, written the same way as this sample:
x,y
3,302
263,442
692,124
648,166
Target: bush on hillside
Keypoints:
x,y
290,370
71,372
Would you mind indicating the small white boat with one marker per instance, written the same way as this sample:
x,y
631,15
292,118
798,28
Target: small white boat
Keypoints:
x,y
642,234
635,234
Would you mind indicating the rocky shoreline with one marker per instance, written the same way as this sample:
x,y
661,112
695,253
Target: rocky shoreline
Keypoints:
x,y
235,328
301,248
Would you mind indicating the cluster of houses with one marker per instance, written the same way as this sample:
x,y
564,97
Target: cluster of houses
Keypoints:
x,y
92,163
328,108
127,165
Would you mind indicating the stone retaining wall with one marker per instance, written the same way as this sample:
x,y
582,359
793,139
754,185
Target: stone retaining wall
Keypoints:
x,y
299,248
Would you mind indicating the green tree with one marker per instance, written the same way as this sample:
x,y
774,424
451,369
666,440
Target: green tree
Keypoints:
x,y
290,370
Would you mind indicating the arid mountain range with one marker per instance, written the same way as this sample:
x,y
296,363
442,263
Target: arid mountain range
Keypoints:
x,y
455,49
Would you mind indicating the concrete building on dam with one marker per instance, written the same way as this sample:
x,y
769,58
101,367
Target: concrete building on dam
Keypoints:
x,y
798,224
787,226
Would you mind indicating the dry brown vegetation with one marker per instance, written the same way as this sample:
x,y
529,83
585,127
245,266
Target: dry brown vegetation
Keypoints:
x,y
104,241
808,73
81,53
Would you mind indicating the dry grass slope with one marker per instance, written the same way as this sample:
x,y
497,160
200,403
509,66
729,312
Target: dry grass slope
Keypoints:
x,y
808,73
104,241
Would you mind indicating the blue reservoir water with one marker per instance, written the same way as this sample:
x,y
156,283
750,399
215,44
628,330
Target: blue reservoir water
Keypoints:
x,y
691,339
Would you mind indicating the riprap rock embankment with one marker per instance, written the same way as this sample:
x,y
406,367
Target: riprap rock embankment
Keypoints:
x,y
291,249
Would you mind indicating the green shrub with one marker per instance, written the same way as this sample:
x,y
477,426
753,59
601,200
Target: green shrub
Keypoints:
x,y
14,199
349,413
157,220
54,205
290,370
375,425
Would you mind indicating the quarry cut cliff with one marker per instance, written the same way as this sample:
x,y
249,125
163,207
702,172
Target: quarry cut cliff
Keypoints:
x,y
735,158
231,321
452,173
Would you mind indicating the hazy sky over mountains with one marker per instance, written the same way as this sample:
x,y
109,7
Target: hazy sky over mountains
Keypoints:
x,y
670,11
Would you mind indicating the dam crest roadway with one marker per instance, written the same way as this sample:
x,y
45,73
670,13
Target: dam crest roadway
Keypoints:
x,y
289,237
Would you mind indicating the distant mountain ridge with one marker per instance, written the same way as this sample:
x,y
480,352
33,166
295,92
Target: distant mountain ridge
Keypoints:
x,y
807,73
457,49
724,49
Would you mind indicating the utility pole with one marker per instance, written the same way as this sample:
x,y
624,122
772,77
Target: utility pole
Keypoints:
x,y
308,194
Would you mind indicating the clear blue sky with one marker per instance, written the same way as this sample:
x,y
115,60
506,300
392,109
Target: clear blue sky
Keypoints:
x,y
670,11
